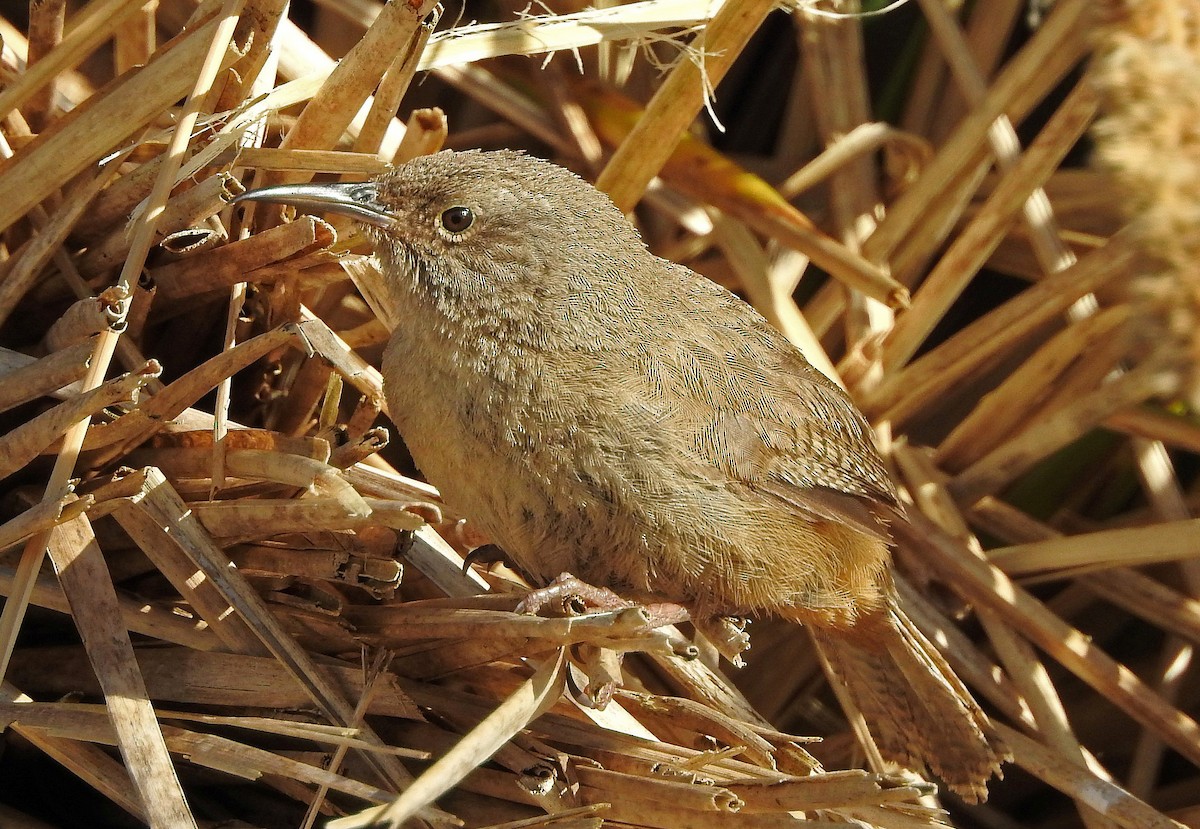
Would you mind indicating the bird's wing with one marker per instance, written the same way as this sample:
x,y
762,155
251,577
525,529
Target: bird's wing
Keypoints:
x,y
756,412
803,443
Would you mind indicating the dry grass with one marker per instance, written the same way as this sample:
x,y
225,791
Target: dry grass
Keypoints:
x,y
258,614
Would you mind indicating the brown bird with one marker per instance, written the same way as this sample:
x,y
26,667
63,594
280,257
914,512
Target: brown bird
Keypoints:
x,y
597,410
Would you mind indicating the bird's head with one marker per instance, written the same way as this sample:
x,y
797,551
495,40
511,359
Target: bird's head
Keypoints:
x,y
462,224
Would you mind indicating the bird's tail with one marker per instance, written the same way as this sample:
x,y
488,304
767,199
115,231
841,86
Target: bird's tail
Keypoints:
x,y
918,712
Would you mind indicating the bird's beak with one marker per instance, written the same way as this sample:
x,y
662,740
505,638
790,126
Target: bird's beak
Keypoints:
x,y
357,199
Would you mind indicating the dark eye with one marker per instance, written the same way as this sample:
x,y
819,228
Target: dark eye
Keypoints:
x,y
457,219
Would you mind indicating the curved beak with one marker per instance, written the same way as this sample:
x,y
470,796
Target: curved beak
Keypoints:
x,y
356,199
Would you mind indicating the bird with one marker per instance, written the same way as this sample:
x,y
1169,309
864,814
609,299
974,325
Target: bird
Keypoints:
x,y
600,411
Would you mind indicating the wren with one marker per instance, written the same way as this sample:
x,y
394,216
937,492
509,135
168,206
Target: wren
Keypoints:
x,y
597,410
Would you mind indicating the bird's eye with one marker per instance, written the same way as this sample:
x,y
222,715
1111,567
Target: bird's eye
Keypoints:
x,y
457,219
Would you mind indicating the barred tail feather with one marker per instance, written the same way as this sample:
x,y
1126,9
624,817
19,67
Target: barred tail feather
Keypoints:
x,y
919,713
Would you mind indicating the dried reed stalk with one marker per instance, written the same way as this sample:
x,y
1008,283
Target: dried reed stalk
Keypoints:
x,y
267,546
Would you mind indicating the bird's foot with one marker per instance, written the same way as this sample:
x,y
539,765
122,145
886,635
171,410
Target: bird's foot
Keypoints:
x,y
600,661
568,595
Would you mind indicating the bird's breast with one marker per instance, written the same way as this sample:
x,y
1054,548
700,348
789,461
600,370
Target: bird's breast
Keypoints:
x,y
500,438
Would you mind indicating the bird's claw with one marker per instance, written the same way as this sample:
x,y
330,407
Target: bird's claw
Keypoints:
x,y
485,555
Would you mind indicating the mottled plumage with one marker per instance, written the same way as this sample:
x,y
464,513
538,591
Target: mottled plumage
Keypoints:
x,y
597,410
